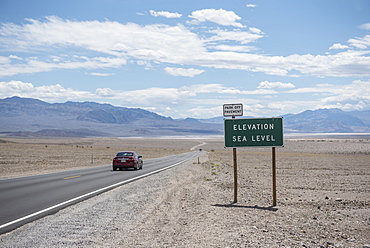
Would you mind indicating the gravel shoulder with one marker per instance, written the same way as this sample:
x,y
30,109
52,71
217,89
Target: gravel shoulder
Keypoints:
x,y
323,197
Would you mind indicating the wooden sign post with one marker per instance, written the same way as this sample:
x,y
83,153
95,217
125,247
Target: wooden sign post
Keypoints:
x,y
234,110
254,132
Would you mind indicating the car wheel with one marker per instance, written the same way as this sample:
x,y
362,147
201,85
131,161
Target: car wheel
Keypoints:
x,y
136,167
114,168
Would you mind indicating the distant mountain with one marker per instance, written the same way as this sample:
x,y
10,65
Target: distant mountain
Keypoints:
x,y
28,117
327,121
31,117
362,115
319,121
219,120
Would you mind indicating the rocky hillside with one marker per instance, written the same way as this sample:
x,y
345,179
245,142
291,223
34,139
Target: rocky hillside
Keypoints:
x,y
320,121
328,121
32,117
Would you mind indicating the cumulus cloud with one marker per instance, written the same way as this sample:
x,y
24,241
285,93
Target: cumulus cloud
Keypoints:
x,y
165,14
46,92
105,92
15,87
153,96
34,65
256,30
235,35
101,74
360,43
365,26
118,44
205,97
275,85
219,16
4,60
338,46
354,96
15,57
157,99
107,37
191,72
220,89
233,48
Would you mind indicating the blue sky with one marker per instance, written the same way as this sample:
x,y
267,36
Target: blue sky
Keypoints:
x,y
188,58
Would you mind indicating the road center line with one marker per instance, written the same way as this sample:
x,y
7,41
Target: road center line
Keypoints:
x,y
88,195
71,177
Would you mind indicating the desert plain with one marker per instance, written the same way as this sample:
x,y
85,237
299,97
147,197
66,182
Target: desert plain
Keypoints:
x,y
323,194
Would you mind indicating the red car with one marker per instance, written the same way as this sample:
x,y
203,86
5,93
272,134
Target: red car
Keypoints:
x,y
127,159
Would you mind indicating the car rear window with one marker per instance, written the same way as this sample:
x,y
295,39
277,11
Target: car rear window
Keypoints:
x,y
121,154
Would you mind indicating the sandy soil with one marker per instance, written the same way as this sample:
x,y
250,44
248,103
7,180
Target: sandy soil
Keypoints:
x,y
25,157
323,191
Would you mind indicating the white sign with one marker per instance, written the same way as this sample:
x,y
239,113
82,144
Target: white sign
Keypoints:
x,y
233,109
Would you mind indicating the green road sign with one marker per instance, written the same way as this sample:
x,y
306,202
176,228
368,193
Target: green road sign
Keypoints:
x,y
253,132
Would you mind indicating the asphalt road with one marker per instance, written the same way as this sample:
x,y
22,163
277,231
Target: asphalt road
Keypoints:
x,y
28,198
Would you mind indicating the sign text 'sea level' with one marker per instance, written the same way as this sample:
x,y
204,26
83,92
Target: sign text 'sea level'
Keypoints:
x,y
253,132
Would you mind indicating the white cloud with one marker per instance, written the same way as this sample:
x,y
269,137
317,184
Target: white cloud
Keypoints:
x,y
170,100
154,96
338,46
33,65
107,37
200,112
251,5
219,16
118,44
15,57
105,92
343,64
233,48
365,26
360,43
235,35
49,92
191,72
210,88
275,85
220,89
165,14
101,74
4,60
256,30
14,87
158,99
202,100
354,96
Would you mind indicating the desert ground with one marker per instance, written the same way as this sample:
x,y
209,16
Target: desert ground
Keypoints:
x,y
323,195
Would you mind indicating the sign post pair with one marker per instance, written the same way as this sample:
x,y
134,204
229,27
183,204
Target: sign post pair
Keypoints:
x,y
252,132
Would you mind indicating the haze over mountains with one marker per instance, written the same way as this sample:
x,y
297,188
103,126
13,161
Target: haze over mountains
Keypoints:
x,y
28,117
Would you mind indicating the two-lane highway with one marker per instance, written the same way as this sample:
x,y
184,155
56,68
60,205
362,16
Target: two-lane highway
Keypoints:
x,y
28,198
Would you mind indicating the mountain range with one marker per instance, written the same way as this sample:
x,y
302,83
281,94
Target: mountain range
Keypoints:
x,y
29,117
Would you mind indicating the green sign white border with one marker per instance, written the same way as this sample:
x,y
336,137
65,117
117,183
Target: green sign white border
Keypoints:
x,y
247,130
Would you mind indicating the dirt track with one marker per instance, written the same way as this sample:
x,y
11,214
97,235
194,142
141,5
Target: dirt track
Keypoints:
x,y
323,192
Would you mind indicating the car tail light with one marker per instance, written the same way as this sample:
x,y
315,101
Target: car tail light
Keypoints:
x,y
130,159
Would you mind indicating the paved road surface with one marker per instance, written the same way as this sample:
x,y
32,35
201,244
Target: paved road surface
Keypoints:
x,y
28,198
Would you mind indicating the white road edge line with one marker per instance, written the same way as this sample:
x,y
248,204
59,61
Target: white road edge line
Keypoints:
x,y
86,195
